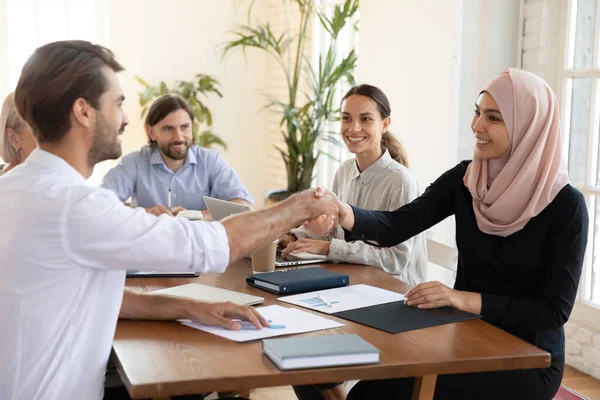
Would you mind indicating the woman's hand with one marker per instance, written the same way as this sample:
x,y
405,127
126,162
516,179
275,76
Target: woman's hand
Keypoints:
x,y
435,294
431,295
285,240
307,245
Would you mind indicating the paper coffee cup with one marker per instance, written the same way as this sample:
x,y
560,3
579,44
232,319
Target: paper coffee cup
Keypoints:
x,y
263,260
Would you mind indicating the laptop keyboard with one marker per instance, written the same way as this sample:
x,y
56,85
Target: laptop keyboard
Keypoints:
x,y
290,257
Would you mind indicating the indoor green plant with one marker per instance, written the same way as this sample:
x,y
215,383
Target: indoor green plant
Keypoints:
x,y
304,113
191,92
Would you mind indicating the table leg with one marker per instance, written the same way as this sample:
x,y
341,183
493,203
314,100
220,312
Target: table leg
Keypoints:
x,y
424,387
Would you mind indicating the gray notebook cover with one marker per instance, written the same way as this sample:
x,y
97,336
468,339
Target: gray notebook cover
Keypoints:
x,y
319,346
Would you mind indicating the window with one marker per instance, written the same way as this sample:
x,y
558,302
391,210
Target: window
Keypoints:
x,y
581,125
348,40
32,23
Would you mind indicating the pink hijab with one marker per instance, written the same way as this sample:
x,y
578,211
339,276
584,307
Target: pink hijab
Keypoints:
x,y
530,175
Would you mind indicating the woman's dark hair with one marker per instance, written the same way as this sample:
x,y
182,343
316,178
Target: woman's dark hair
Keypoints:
x,y
388,140
164,106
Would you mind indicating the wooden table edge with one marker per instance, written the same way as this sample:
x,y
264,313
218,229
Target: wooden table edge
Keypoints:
x,y
366,372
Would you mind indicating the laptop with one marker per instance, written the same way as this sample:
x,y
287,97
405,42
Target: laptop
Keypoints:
x,y
211,294
298,259
220,209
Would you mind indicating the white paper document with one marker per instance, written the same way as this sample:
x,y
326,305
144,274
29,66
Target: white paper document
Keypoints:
x,y
343,298
282,320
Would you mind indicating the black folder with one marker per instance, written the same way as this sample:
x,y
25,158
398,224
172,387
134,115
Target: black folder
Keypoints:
x,y
398,317
297,280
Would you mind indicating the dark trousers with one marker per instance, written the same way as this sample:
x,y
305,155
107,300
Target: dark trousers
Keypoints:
x,y
527,384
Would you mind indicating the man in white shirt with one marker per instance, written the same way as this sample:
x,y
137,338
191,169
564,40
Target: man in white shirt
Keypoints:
x,y
65,246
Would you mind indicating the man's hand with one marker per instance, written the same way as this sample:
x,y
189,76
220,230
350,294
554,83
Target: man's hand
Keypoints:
x,y
162,307
325,223
248,232
206,215
285,240
307,245
158,210
320,201
224,314
176,210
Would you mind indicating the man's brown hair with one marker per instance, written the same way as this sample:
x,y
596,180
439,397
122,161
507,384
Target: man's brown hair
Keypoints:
x,y
56,75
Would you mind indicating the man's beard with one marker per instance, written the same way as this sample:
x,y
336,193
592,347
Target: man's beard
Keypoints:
x,y
166,150
105,143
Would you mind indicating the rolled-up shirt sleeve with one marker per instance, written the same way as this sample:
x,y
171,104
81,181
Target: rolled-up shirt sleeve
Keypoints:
x,y
100,232
226,184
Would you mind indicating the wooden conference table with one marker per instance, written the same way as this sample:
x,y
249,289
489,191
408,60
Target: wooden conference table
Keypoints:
x,y
160,359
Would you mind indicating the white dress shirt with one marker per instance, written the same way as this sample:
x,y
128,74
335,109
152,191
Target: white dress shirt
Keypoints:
x,y
386,186
64,249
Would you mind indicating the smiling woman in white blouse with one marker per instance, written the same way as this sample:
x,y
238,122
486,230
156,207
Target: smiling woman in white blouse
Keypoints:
x,y
376,179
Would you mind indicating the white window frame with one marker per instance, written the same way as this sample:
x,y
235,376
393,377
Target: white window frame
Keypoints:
x,y
566,40
326,167
101,8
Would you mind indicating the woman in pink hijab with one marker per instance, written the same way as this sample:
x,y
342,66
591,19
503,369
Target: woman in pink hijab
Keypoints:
x,y
521,233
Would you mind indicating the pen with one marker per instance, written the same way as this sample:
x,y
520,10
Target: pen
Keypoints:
x,y
324,300
169,200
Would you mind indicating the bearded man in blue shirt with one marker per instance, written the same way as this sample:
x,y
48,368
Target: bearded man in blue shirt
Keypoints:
x,y
171,173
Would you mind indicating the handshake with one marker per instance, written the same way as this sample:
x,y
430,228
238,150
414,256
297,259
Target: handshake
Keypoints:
x,y
326,211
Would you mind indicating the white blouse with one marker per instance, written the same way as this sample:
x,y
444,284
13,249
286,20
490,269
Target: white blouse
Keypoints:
x,y
386,186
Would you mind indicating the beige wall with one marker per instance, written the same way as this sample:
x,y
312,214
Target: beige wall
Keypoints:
x,y
408,49
173,40
431,58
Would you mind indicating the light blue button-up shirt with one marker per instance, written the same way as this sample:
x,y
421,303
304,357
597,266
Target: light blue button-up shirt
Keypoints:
x,y
144,176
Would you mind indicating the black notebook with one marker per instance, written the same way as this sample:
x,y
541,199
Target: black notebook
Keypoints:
x,y
398,317
297,280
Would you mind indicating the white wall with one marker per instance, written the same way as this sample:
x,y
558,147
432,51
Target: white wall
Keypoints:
x,y
160,40
488,45
431,58
408,49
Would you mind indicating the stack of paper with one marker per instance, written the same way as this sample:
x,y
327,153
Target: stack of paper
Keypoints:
x,y
345,298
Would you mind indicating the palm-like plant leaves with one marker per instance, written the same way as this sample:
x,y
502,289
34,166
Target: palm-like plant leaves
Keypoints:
x,y
189,91
305,112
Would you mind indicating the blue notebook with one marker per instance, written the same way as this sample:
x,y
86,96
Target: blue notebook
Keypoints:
x,y
298,280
